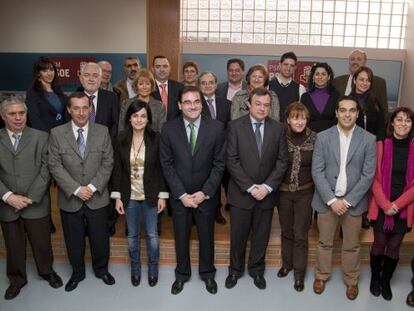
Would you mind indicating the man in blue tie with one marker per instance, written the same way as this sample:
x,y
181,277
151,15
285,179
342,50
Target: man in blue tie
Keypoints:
x,y
81,161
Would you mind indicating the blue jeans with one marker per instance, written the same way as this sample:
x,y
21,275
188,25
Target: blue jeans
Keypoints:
x,y
136,211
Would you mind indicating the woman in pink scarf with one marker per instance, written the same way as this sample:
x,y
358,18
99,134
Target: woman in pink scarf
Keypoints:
x,y
392,204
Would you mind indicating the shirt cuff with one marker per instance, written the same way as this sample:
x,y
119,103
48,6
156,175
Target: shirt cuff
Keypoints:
x,y
182,196
115,195
331,201
92,187
250,188
76,191
269,189
347,203
164,195
6,196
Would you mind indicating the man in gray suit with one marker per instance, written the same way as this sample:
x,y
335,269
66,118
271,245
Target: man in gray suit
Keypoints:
x,y
343,168
24,190
81,161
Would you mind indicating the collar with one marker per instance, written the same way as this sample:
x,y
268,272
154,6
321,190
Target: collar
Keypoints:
x,y
253,120
10,133
94,94
343,133
196,122
75,127
212,97
281,82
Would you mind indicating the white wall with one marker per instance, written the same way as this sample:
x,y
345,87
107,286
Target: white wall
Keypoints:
x,y
407,90
78,26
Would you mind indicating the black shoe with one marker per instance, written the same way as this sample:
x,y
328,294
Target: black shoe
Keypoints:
x,y
177,287
211,286
71,285
135,280
12,291
220,219
54,280
231,281
260,282
108,279
152,281
283,272
410,299
298,285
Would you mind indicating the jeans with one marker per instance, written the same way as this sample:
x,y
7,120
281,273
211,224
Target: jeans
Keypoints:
x,y
136,211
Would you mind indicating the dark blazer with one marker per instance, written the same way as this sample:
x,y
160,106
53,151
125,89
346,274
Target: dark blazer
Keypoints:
x,y
247,168
174,88
321,121
41,114
153,179
223,88
222,109
202,171
25,172
107,112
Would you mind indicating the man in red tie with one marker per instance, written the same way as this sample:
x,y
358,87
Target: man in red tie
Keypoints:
x,y
166,90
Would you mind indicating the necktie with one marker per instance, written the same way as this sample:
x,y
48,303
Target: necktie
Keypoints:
x,y
16,141
211,108
92,115
81,142
164,95
258,137
192,138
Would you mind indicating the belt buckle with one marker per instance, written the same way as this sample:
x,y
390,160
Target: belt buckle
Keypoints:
x,y
293,188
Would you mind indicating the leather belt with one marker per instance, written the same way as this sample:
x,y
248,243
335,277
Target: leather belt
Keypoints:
x,y
294,188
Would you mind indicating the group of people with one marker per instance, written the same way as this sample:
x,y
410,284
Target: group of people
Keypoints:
x,y
149,142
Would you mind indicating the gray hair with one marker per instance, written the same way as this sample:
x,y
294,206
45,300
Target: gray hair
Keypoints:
x,y
12,100
91,64
206,73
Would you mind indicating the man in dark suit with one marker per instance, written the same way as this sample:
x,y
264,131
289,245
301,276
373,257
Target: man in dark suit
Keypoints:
x,y
25,198
166,90
343,84
257,159
81,161
235,82
192,158
217,108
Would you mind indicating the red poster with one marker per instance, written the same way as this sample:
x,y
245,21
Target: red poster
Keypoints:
x,y
301,73
68,68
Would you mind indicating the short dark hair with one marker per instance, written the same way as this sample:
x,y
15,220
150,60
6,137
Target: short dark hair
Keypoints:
x,y
330,72
189,89
409,113
259,91
290,55
235,61
77,95
134,107
347,97
158,57
190,63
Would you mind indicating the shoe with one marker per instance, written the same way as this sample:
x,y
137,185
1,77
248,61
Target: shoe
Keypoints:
x,y
376,269
152,281
71,285
12,291
260,282
135,280
352,292
54,280
108,279
231,281
211,286
298,285
283,272
410,299
220,219
177,287
318,286
388,269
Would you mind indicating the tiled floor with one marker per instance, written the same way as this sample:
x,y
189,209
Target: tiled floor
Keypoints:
x,y
92,294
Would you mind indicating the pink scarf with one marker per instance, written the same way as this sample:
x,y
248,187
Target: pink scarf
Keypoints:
x,y
387,174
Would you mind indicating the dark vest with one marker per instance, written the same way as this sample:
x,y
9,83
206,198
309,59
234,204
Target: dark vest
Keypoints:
x,y
286,94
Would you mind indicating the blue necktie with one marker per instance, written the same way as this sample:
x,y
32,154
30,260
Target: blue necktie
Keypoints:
x,y
16,141
81,143
258,137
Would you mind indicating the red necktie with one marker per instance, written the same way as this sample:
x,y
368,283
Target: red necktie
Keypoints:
x,y
164,96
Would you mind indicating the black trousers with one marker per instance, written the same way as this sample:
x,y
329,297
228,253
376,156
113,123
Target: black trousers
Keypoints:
x,y
259,221
38,233
204,220
74,229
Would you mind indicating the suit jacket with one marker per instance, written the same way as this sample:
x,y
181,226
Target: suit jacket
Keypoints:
x,y
158,113
379,88
25,172
223,88
107,111
222,109
247,168
360,169
41,114
240,105
121,90
71,171
153,179
174,88
202,171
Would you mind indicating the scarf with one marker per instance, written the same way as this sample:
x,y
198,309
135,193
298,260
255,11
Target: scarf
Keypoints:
x,y
387,175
